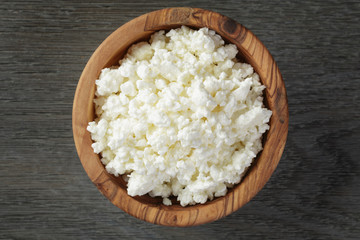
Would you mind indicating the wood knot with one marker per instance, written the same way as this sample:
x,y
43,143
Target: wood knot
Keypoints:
x,y
229,26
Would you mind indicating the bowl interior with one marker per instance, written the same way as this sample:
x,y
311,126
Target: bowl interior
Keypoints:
x,y
114,61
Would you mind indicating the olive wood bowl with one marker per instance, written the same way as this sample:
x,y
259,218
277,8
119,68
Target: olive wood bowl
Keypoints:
x,y
251,50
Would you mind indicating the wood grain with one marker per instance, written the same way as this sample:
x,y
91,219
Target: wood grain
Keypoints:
x,y
44,191
251,50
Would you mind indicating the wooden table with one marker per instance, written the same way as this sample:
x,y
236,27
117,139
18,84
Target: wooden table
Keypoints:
x,y
45,193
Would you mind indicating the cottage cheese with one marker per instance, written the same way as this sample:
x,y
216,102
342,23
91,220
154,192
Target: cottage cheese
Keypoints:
x,y
180,116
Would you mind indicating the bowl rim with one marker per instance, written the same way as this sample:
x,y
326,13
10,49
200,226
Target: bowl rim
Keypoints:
x,y
254,52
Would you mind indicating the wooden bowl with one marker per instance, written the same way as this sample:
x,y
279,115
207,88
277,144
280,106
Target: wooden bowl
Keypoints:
x,y
251,51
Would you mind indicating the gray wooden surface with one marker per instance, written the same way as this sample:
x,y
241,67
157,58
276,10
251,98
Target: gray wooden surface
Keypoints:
x,y
44,191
